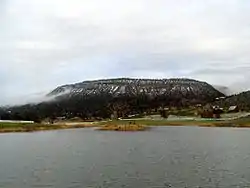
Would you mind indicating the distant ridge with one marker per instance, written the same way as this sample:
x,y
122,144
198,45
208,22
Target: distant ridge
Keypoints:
x,y
242,100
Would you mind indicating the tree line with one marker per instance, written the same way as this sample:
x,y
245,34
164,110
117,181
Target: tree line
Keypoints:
x,y
97,106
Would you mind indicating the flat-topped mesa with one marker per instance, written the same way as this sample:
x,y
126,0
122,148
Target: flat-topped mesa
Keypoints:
x,y
132,87
121,97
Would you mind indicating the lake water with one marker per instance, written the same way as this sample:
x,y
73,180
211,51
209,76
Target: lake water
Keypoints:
x,y
179,157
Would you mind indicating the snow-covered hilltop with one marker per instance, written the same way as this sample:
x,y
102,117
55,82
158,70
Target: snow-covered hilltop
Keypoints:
x,y
131,87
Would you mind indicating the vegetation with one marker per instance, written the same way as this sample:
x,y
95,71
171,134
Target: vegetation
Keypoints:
x,y
99,100
241,100
123,127
29,127
104,104
191,111
241,122
97,107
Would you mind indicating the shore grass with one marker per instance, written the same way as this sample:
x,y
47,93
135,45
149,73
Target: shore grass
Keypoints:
x,y
28,127
123,127
241,122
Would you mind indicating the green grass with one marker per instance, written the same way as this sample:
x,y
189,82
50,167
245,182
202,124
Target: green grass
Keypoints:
x,y
241,122
155,122
183,112
15,125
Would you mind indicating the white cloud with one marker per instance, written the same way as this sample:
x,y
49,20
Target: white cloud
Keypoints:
x,y
45,43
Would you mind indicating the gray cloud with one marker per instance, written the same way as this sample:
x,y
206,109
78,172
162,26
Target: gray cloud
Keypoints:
x,y
46,43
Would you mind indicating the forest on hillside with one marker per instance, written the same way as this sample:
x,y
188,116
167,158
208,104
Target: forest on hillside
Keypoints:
x,y
101,106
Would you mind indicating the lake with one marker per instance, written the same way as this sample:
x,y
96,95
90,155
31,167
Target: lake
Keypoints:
x,y
178,157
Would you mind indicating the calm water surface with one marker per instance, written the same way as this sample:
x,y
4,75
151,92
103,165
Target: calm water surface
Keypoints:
x,y
179,157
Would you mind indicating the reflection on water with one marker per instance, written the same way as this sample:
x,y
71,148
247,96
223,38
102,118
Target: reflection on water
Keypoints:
x,y
163,157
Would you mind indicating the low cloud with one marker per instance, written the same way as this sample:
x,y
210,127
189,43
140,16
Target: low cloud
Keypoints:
x,y
34,98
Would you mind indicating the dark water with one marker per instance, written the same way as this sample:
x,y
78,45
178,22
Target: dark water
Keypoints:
x,y
181,157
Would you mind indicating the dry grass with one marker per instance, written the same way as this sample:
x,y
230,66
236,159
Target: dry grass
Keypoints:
x,y
123,127
19,127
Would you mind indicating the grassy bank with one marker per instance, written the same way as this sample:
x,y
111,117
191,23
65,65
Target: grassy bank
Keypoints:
x,y
22,127
241,122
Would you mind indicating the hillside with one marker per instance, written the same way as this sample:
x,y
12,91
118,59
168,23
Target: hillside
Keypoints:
x,y
242,100
100,98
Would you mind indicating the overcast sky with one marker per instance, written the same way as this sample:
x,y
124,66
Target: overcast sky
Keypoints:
x,y
46,43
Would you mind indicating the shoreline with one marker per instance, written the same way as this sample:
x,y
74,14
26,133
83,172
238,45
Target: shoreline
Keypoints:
x,y
19,128
237,123
123,125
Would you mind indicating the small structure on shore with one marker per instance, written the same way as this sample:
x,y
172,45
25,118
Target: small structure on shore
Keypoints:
x,y
209,111
217,111
164,112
